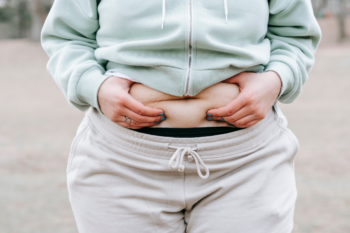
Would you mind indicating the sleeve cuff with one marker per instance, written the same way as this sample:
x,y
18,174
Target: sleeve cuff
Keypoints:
x,y
286,75
88,86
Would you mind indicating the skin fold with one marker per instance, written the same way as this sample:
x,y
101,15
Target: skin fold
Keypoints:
x,y
187,112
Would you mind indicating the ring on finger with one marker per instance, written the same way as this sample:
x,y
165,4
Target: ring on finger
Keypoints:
x,y
128,120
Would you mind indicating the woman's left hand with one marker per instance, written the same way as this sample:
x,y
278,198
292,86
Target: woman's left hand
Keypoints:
x,y
258,92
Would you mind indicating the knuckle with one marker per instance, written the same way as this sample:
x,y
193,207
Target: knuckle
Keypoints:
x,y
250,108
238,123
141,119
244,101
138,118
140,111
260,115
114,117
249,99
117,111
121,100
229,112
135,123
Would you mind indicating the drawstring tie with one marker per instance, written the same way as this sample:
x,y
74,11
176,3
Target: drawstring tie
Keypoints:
x,y
226,10
176,160
163,15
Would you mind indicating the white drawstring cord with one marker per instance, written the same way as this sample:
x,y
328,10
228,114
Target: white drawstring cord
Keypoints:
x,y
163,18
226,10
192,155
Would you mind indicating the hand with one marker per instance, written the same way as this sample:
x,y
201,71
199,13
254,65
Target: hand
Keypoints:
x,y
258,92
120,107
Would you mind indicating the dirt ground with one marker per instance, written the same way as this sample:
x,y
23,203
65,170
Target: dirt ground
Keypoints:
x,y
37,127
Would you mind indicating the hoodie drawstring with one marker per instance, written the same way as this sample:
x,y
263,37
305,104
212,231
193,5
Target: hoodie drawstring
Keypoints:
x,y
163,15
226,10
192,155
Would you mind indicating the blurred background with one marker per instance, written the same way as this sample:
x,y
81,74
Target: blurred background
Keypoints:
x,y
37,127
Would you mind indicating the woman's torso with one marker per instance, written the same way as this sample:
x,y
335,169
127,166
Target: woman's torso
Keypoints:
x,y
189,56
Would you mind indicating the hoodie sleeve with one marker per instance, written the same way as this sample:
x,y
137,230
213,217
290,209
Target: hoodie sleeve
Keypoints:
x,y
69,38
294,35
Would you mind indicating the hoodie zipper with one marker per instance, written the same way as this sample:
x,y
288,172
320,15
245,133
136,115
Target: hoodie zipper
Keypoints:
x,y
187,84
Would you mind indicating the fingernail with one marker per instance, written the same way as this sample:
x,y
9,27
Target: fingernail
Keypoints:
x,y
209,114
157,122
161,114
209,118
221,119
163,118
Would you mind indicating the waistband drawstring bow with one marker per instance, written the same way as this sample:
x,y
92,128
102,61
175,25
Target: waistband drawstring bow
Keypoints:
x,y
163,8
192,155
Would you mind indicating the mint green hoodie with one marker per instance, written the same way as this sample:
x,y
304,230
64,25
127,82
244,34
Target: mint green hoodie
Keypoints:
x,y
179,47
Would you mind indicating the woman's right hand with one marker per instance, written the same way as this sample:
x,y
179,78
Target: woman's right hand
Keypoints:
x,y
120,107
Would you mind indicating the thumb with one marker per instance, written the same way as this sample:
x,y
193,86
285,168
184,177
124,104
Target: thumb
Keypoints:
x,y
230,109
234,80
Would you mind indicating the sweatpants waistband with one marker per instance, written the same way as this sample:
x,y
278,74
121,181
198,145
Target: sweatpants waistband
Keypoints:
x,y
163,147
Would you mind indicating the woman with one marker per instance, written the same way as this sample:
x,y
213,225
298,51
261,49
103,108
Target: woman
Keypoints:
x,y
181,133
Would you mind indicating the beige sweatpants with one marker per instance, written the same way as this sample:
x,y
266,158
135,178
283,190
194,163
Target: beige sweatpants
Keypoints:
x,y
122,181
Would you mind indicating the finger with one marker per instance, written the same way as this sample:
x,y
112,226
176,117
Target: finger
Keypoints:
x,y
250,124
245,120
141,109
240,122
234,79
141,119
230,109
129,126
243,112
132,122
216,119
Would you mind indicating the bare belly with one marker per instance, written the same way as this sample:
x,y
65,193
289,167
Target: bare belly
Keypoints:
x,y
187,112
